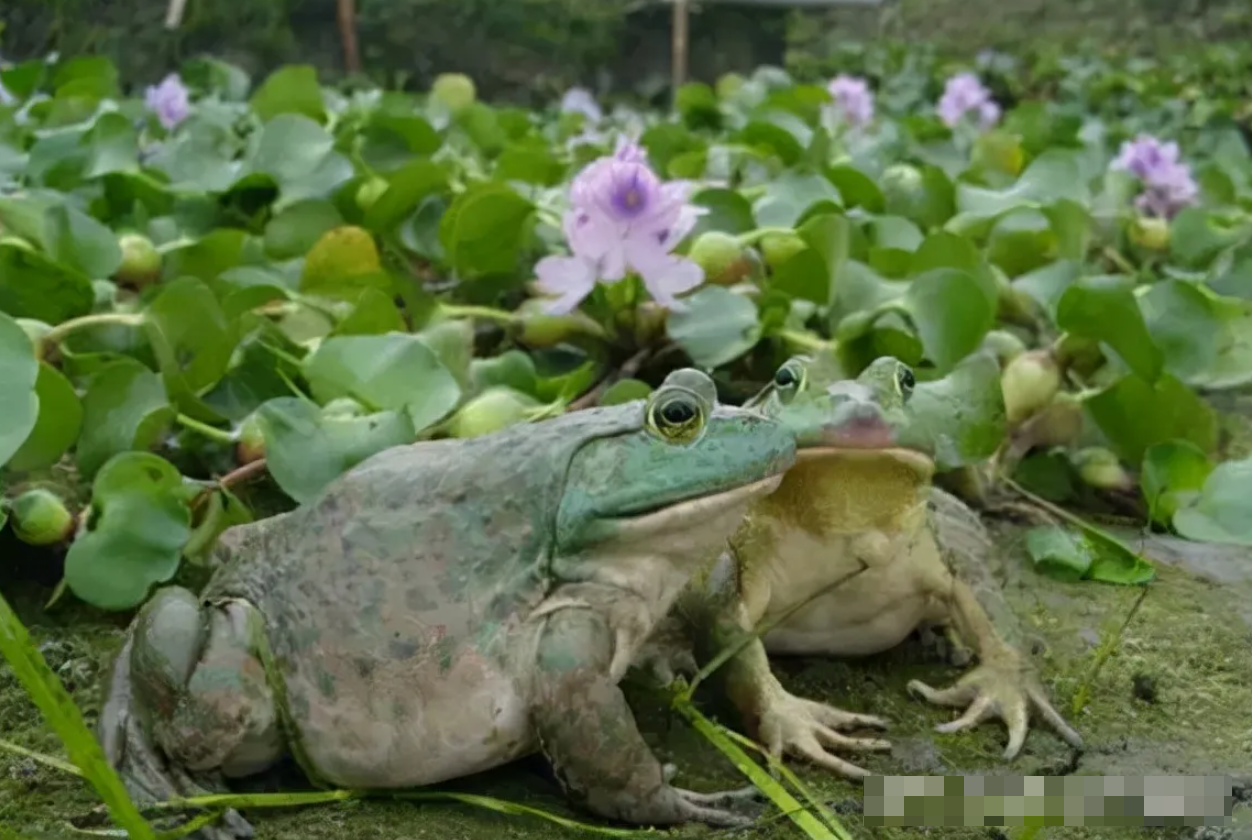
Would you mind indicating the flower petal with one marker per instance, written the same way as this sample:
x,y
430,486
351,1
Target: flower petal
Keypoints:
x,y
570,279
665,276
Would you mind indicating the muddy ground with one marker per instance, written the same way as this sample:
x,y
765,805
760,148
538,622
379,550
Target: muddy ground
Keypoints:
x,y
1175,697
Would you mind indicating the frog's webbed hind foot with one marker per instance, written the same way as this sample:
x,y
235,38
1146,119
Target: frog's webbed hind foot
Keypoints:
x,y
187,704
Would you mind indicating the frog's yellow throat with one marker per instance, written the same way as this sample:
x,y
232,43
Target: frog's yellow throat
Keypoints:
x,y
847,491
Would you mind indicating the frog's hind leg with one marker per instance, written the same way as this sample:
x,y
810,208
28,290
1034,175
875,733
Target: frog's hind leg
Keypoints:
x,y
188,703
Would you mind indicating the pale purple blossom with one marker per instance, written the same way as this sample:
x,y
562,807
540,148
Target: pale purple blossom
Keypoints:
x,y
965,94
622,219
1167,181
581,101
169,100
853,99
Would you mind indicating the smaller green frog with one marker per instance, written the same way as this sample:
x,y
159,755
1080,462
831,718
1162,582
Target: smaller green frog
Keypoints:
x,y
446,607
853,552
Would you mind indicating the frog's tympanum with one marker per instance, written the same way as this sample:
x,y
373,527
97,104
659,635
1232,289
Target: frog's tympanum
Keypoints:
x,y
449,606
855,551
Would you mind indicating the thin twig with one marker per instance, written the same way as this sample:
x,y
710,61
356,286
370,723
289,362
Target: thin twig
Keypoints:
x,y
241,474
628,369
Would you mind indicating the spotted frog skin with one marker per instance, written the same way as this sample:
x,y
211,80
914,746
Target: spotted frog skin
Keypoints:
x,y
447,607
852,553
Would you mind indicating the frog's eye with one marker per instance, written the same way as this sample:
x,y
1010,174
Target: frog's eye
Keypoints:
x,y
905,380
678,417
790,379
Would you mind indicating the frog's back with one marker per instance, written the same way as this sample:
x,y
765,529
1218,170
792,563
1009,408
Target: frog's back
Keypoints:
x,y
391,603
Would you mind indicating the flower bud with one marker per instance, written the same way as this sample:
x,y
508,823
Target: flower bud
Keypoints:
x,y
494,409
1150,232
729,84
901,179
541,330
1059,423
343,408
778,248
1101,469
369,192
1004,344
40,518
141,261
722,258
455,91
1029,382
249,441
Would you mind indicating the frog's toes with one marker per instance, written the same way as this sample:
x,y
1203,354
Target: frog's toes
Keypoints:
x,y
994,692
807,729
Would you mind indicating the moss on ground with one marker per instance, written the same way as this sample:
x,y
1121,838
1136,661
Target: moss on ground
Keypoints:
x,y
1189,642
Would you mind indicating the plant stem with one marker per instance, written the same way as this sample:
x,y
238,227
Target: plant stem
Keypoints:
x,y
806,340
58,333
753,236
486,313
208,431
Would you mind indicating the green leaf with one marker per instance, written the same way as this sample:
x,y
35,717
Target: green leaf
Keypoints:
x,y
784,137
485,228
62,714
223,510
960,418
305,450
113,146
77,241
1136,414
300,156
59,423
729,212
1206,341
1071,555
857,189
296,229
290,90
1172,472
1222,512
406,188
951,313
125,408
512,368
139,527
375,313
1104,309
19,372
1197,236
715,326
394,371
790,196
1021,241
192,341
811,273
529,165
624,391
1053,176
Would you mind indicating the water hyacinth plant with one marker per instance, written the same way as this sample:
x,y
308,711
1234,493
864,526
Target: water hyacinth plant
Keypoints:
x,y
622,219
170,101
964,95
1168,186
854,101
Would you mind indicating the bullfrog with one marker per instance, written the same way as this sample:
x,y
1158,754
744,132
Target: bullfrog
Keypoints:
x,y
446,607
854,552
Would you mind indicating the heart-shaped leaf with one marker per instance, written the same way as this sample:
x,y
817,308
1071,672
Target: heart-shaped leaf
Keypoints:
x,y
58,425
139,526
290,90
1105,309
393,371
1173,471
125,407
19,373
789,197
305,450
485,228
810,274
960,417
300,156
951,313
1072,555
1222,511
715,326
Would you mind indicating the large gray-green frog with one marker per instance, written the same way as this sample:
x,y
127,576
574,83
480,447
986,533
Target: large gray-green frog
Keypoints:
x,y
449,606
851,554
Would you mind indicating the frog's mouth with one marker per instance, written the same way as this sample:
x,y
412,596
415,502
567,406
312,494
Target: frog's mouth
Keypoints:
x,y
680,514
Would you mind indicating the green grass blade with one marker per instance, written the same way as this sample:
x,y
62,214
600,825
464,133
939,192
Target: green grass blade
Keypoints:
x,y
788,804
58,708
50,761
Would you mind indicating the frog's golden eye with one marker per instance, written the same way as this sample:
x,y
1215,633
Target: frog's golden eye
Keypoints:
x,y
790,379
905,380
677,417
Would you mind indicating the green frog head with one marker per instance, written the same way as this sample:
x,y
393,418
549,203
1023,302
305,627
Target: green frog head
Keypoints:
x,y
680,458
853,436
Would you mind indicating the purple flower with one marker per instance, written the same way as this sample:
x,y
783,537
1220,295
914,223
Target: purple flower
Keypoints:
x,y
853,98
1167,181
622,219
169,101
580,101
963,94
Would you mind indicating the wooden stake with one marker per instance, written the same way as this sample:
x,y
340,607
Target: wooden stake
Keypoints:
x,y
347,34
174,14
679,45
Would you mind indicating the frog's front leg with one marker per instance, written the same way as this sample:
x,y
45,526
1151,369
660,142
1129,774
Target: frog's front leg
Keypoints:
x,y
588,733
720,619
1004,683
188,702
